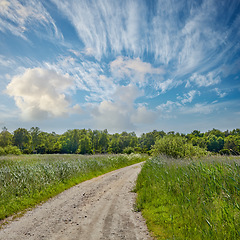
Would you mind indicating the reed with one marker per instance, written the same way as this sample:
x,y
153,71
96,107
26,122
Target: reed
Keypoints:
x,y
27,180
191,199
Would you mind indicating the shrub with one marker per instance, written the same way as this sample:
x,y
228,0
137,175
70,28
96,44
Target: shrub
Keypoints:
x,y
176,147
2,151
224,152
128,150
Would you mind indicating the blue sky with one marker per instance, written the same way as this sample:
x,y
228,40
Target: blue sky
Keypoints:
x,y
129,65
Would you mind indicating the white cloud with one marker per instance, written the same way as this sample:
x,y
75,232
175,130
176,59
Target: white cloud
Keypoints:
x,y
120,113
133,68
164,86
220,93
104,25
143,116
204,80
18,17
6,62
201,108
89,51
189,96
41,93
168,106
171,106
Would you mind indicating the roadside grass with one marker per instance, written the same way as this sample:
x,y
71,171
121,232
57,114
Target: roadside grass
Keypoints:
x,y
27,180
191,199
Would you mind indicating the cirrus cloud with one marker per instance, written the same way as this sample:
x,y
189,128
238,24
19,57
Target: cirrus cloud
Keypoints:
x,y
20,16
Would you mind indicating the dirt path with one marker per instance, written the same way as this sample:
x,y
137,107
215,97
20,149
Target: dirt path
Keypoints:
x,y
101,208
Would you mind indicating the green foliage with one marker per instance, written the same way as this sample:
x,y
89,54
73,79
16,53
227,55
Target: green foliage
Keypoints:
x,y
21,138
84,145
214,143
36,141
224,152
29,179
128,150
5,138
176,147
11,150
191,199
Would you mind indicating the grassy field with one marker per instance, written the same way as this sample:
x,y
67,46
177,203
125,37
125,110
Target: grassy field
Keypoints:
x,y
27,180
191,199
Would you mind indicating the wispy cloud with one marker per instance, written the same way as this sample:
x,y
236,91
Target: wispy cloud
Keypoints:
x,y
118,24
220,93
204,80
189,96
179,34
19,17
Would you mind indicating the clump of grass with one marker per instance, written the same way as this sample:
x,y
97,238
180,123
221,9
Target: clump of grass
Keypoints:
x,y
189,199
27,180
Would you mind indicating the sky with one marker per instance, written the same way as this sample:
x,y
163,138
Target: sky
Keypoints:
x,y
129,65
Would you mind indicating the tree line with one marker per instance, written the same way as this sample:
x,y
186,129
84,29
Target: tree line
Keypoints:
x,y
87,141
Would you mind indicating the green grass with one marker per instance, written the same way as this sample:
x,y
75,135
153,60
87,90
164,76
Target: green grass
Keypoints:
x,y
27,180
191,199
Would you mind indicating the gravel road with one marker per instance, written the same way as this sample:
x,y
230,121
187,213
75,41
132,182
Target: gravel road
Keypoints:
x,y
101,208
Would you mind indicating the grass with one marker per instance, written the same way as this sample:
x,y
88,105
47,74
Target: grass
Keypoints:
x,y
191,199
27,180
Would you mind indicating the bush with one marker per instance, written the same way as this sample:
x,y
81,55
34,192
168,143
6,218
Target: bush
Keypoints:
x,y
176,147
2,151
10,150
224,152
128,150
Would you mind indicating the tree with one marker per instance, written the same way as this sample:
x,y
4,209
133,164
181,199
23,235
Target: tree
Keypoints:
x,y
232,143
35,131
214,143
21,138
103,141
84,145
5,138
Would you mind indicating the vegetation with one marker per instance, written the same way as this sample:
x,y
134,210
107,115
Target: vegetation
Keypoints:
x,y
27,180
176,147
89,141
191,199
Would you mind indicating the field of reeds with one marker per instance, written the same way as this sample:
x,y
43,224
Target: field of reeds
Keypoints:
x,y
191,199
27,180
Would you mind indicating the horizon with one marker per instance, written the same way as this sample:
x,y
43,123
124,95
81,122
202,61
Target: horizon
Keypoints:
x,y
132,65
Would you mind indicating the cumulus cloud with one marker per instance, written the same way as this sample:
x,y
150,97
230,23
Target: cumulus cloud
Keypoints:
x,y
41,93
133,68
120,113
143,116
20,16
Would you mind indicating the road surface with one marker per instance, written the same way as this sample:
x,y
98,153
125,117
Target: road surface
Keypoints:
x,y
101,208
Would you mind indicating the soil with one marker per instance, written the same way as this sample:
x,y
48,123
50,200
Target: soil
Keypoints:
x,y
101,208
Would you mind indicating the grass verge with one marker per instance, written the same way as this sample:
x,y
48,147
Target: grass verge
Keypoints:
x,y
191,199
27,180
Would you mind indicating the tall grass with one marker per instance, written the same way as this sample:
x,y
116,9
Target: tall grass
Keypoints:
x,y
27,180
186,199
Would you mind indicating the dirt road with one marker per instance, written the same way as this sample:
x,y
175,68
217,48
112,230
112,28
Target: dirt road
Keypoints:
x,y
101,208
